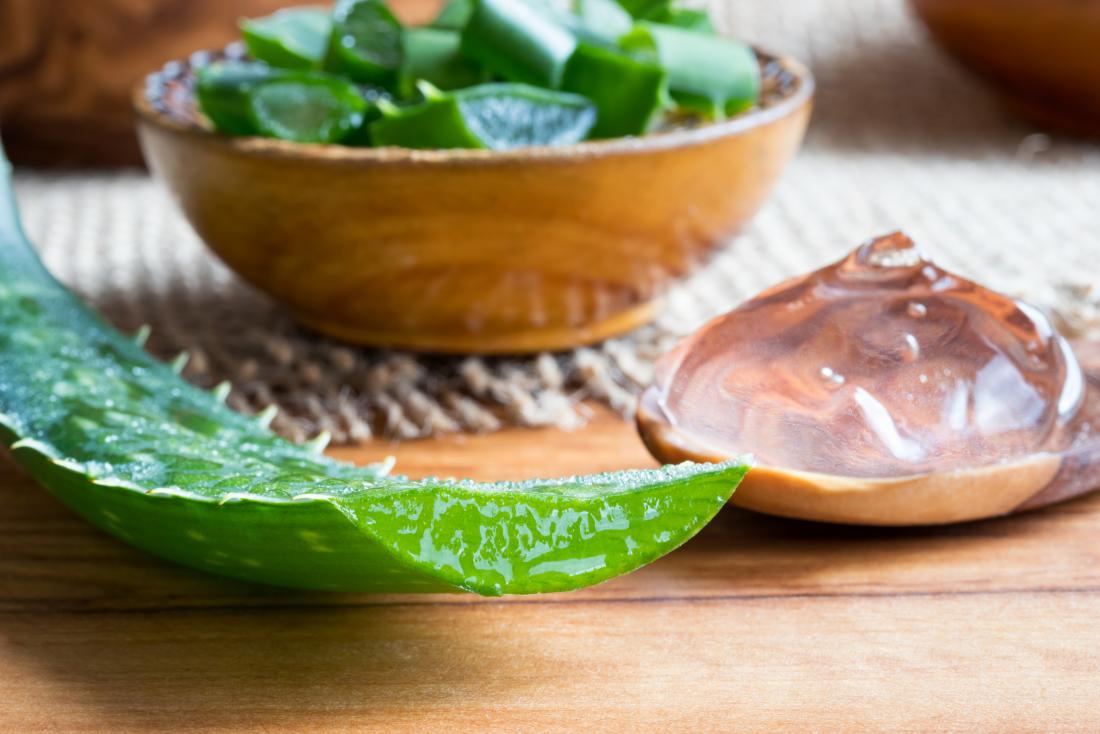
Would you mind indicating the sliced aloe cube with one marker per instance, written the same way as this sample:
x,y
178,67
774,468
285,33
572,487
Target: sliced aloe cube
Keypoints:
x,y
518,41
433,55
506,116
601,22
315,109
707,74
627,93
222,93
454,15
365,43
166,467
495,116
434,124
294,38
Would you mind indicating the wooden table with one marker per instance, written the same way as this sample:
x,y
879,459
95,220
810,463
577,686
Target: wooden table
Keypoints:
x,y
758,624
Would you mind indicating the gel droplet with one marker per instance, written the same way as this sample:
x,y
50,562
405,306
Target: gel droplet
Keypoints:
x,y
890,366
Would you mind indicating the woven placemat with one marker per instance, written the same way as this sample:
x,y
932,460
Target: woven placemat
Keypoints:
x,y
901,139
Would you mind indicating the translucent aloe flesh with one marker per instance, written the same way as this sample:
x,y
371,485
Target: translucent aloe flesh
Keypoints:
x,y
128,445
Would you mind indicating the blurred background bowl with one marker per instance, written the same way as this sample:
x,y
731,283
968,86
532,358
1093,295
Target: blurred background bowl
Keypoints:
x,y
67,68
1043,55
472,250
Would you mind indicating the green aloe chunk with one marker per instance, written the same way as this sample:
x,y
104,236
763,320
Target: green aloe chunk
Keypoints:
x,y
627,93
307,109
507,116
222,91
132,448
686,18
601,22
495,116
365,43
707,74
433,55
454,15
518,41
434,124
294,38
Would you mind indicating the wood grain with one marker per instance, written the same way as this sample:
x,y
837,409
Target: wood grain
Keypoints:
x,y
759,624
67,68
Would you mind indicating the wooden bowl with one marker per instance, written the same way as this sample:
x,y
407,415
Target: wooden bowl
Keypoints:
x,y
467,250
1042,54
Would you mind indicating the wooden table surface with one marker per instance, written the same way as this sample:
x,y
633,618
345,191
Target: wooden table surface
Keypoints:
x,y
758,624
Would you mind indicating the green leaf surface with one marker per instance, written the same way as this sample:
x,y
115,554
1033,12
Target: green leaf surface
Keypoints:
x,y
707,74
366,42
454,15
128,445
307,109
518,41
293,38
433,55
627,93
222,91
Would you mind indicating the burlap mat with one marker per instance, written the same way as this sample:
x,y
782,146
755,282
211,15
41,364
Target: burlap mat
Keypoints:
x,y
901,138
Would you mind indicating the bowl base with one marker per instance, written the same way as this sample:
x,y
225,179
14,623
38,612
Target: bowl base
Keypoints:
x,y
526,341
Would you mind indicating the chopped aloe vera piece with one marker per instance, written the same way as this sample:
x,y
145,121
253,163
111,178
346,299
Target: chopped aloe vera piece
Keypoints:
x,y
706,74
506,116
313,109
517,41
294,38
688,19
645,9
433,55
601,22
495,116
434,124
132,448
365,43
222,93
454,15
627,92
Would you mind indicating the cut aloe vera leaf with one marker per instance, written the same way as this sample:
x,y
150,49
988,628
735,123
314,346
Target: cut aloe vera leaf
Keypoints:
x,y
707,74
307,109
627,93
517,41
454,15
433,55
506,116
434,124
222,93
135,450
688,19
294,38
495,116
601,22
366,42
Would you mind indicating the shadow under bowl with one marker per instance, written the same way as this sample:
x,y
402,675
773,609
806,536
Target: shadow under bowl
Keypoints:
x,y
463,251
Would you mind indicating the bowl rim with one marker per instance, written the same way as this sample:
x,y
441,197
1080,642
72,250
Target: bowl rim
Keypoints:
x,y
335,153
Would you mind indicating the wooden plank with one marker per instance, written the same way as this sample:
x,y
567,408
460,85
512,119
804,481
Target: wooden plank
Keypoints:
x,y
758,624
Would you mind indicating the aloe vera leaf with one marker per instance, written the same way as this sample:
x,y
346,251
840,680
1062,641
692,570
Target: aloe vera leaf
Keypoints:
x,y
454,15
307,109
627,92
433,55
518,41
292,38
366,42
601,22
707,74
128,445
222,91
